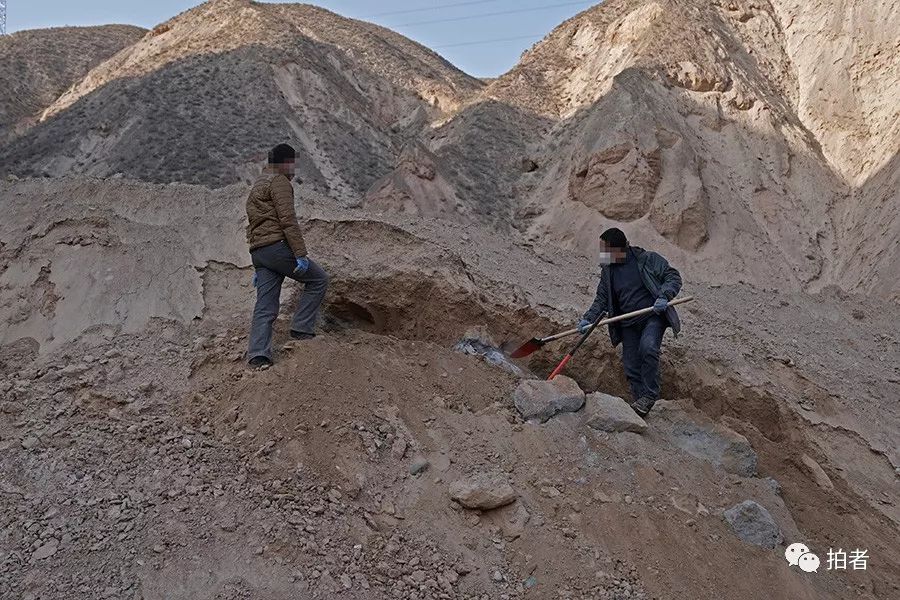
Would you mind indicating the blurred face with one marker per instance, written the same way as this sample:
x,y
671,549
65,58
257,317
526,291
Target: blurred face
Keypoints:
x,y
610,255
286,168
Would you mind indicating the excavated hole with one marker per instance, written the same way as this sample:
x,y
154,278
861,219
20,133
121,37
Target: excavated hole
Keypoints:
x,y
410,307
350,313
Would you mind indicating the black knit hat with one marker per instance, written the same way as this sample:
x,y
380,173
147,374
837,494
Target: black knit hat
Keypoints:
x,y
281,153
614,237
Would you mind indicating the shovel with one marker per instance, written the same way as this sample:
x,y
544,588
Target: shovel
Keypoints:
x,y
535,344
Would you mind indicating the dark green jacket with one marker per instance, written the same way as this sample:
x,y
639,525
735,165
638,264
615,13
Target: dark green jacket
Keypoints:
x,y
660,278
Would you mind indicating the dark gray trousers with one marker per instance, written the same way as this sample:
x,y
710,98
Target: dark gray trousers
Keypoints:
x,y
273,263
640,356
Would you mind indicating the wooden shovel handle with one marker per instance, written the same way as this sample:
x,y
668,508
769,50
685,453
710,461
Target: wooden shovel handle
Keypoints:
x,y
616,319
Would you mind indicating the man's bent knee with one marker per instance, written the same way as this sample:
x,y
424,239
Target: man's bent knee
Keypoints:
x,y
650,350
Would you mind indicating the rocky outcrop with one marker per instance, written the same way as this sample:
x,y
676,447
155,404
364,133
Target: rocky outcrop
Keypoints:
x,y
752,523
618,181
703,438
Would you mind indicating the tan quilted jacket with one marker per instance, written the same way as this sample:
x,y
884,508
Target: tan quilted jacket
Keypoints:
x,y
271,216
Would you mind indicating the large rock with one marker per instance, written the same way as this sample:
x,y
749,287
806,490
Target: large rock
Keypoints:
x,y
700,436
753,524
611,413
539,400
483,492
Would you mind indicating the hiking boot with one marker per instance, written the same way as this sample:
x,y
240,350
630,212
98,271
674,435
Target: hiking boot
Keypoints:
x,y
261,362
643,405
299,335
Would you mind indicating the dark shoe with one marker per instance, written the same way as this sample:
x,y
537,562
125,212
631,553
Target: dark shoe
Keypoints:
x,y
260,362
643,405
299,335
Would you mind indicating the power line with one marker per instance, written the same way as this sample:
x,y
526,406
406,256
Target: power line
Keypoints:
x,y
495,14
430,8
509,39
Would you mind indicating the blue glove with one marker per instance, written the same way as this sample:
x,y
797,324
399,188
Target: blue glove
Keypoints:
x,y
584,325
660,306
302,265
255,279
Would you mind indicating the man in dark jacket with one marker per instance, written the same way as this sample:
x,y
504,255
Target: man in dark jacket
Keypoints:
x,y
632,278
278,251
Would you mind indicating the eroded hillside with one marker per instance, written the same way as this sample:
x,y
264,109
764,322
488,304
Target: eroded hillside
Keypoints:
x,y
201,96
39,66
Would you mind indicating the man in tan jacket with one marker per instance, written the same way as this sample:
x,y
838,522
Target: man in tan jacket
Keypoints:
x,y
278,251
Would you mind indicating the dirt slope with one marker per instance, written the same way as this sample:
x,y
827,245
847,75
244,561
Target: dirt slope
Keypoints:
x,y
304,486
205,93
869,227
37,66
845,58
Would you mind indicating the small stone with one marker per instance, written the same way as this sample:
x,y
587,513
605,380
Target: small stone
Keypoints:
x,y
550,491
418,466
46,551
11,408
30,442
497,576
398,449
529,165
603,497
818,473
346,581
186,442
484,491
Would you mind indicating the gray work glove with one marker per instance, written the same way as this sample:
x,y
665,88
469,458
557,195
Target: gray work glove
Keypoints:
x,y
660,306
583,325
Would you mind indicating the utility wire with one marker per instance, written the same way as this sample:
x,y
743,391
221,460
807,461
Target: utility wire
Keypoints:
x,y
430,8
495,14
509,39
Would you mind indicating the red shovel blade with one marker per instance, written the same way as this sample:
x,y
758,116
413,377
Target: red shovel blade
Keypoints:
x,y
526,349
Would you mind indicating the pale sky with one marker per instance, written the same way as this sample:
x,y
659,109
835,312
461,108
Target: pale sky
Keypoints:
x,y
447,26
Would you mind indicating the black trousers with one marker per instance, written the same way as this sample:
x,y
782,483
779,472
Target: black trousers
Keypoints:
x,y
640,355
